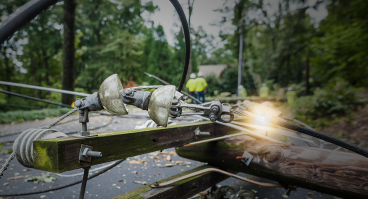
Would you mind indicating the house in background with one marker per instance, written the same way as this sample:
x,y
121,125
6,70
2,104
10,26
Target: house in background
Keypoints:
x,y
212,69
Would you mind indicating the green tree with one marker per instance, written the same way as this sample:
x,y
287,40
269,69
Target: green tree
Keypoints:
x,y
103,25
341,50
160,58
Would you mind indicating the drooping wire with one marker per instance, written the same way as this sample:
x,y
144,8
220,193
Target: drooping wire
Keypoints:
x,y
63,186
34,98
184,23
12,155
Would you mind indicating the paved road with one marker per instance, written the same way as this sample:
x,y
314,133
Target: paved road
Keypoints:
x,y
121,178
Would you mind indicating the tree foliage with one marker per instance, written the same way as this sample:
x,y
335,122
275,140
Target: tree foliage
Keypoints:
x,y
113,37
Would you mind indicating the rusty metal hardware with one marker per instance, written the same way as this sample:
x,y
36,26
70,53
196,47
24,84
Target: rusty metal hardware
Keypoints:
x,y
86,153
198,133
247,158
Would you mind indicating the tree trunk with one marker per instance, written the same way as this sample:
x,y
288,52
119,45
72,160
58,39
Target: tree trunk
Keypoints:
x,y
333,172
46,62
33,72
7,72
68,75
34,79
287,71
307,76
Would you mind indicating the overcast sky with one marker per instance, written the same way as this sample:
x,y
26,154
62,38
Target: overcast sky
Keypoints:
x,y
204,15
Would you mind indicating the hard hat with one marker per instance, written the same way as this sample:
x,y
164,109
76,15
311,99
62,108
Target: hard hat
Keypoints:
x,y
240,86
264,84
192,75
200,74
290,88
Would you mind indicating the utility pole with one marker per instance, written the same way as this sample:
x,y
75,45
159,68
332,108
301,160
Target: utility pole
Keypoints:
x,y
240,67
68,76
241,15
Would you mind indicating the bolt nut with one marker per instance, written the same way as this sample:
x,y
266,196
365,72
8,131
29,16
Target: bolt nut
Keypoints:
x,y
174,102
213,117
128,91
214,109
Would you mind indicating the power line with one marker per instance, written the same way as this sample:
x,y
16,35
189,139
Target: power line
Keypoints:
x,y
43,88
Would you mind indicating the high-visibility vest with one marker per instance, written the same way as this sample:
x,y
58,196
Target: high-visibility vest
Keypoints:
x,y
191,85
242,92
200,84
263,92
290,95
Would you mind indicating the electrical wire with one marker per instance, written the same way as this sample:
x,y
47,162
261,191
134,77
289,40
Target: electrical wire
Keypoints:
x,y
200,172
81,173
63,186
34,98
273,130
21,16
322,137
166,83
43,88
311,132
184,23
249,132
322,143
299,122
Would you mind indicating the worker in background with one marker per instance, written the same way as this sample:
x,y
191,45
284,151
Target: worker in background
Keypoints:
x,y
242,92
263,92
191,85
201,87
290,95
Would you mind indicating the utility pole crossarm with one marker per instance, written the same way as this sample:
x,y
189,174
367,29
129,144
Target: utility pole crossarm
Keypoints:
x,y
62,154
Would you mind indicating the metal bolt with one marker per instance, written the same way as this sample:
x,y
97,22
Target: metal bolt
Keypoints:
x,y
128,91
88,153
94,153
198,132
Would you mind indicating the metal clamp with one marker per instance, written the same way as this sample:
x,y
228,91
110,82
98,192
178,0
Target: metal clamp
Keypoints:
x,y
213,110
86,153
247,158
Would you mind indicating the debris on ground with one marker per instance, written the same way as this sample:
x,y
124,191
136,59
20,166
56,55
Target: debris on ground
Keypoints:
x,y
140,182
169,153
167,165
168,158
136,162
16,177
42,177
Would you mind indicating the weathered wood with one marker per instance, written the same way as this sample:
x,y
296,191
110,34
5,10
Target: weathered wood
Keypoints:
x,y
183,189
62,154
337,173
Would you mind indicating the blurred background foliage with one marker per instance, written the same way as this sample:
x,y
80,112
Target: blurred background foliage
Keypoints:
x,y
112,37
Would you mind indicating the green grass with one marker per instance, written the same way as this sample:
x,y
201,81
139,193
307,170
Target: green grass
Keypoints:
x,y
21,116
